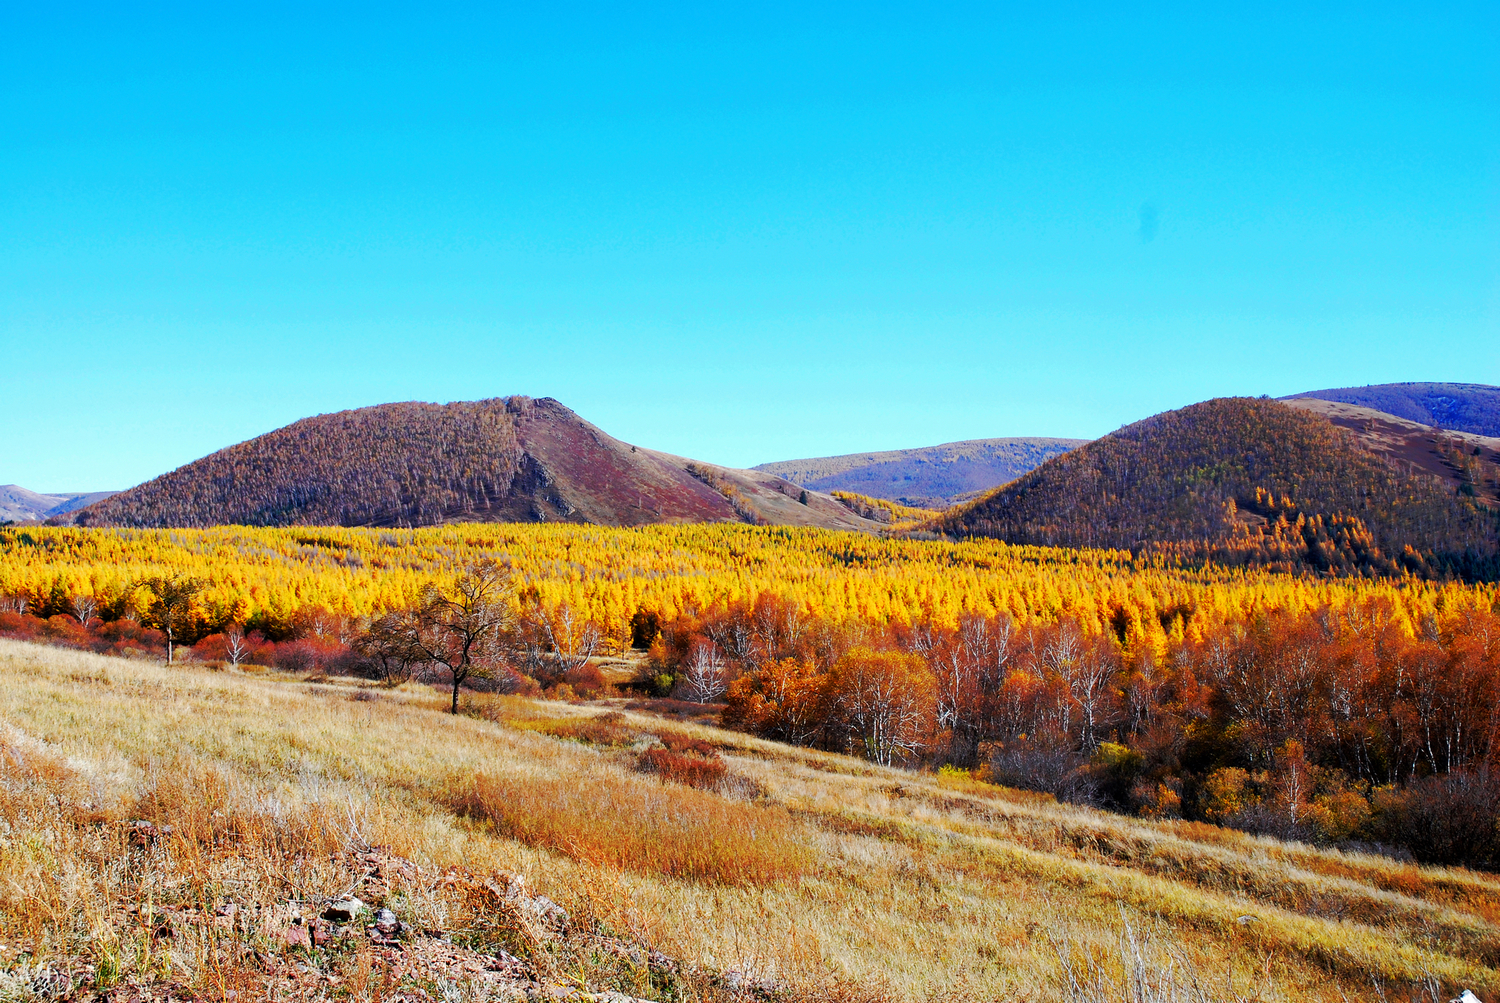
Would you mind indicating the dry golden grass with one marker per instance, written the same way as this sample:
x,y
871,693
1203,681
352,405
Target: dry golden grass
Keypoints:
x,y
869,883
637,824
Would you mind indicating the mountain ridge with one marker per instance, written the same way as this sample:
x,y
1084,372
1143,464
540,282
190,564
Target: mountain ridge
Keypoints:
x,y
18,504
1457,407
512,459
925,476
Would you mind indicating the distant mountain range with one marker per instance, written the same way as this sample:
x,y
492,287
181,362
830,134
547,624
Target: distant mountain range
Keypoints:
x,y
17,504
930,477
510,459
1459,407
1263,483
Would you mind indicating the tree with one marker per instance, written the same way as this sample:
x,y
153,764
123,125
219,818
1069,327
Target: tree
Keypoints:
x,y
171,602
572,638
392,643
236,650
886,700
460,626
85,607
703,674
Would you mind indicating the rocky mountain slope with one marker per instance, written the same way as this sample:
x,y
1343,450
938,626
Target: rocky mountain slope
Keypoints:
x,y
1250,482
930,477
511,459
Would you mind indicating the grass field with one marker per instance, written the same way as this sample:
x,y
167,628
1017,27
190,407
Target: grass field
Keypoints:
x,y
160,828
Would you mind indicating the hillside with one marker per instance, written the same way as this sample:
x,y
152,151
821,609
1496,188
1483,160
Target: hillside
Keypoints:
x,y
189,833
17,504
930,477
509,459
1459,407
1467,463
1243,481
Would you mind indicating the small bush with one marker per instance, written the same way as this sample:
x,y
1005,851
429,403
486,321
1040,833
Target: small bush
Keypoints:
x,y
604,729
690,769
587,681
637,824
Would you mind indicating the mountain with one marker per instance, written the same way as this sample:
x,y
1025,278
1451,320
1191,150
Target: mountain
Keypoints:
x,y
1459,407
1417,448
17,504
1250,482
930,477
510,459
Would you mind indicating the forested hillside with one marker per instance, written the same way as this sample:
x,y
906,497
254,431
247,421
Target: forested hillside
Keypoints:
x,y
1242,482
511,459
1461,407
930,477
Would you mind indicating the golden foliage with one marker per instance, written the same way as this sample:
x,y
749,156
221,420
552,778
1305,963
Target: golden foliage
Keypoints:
x,y
266,576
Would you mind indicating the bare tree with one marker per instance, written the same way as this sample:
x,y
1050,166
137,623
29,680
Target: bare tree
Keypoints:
x,y
85,607
392,643
12,602
171,602
460,626
703,676
572,638
887,701
235,648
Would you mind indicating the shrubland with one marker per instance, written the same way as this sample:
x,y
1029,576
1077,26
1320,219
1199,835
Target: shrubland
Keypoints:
x,y
176,831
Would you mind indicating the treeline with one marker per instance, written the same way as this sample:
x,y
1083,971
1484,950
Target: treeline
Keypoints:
x,y
1331,725
1242,482
395,464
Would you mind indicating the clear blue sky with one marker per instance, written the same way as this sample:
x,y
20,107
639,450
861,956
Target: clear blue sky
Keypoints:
x,y
737,233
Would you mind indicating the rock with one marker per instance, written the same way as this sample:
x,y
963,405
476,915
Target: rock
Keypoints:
x,y
386,923
343,911
295,936
546,912
143,833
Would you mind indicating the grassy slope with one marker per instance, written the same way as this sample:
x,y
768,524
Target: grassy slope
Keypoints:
x,y
923,886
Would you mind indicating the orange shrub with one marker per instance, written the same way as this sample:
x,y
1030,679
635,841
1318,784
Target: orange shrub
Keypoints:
x,y
702,772
637,824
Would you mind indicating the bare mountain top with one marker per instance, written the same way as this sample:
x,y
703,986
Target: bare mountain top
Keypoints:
x,y
928,477
17,504
503,459
1459,407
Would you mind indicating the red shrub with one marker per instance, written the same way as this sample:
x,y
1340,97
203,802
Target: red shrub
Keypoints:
x,y
689,770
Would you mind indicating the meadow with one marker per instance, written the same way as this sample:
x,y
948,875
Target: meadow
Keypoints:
x,y
169,830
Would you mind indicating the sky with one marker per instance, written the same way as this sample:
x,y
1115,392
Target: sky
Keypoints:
x,y
737,233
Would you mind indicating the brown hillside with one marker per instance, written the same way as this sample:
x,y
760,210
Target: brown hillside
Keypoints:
x,y
509,459
1241,481
1468,463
